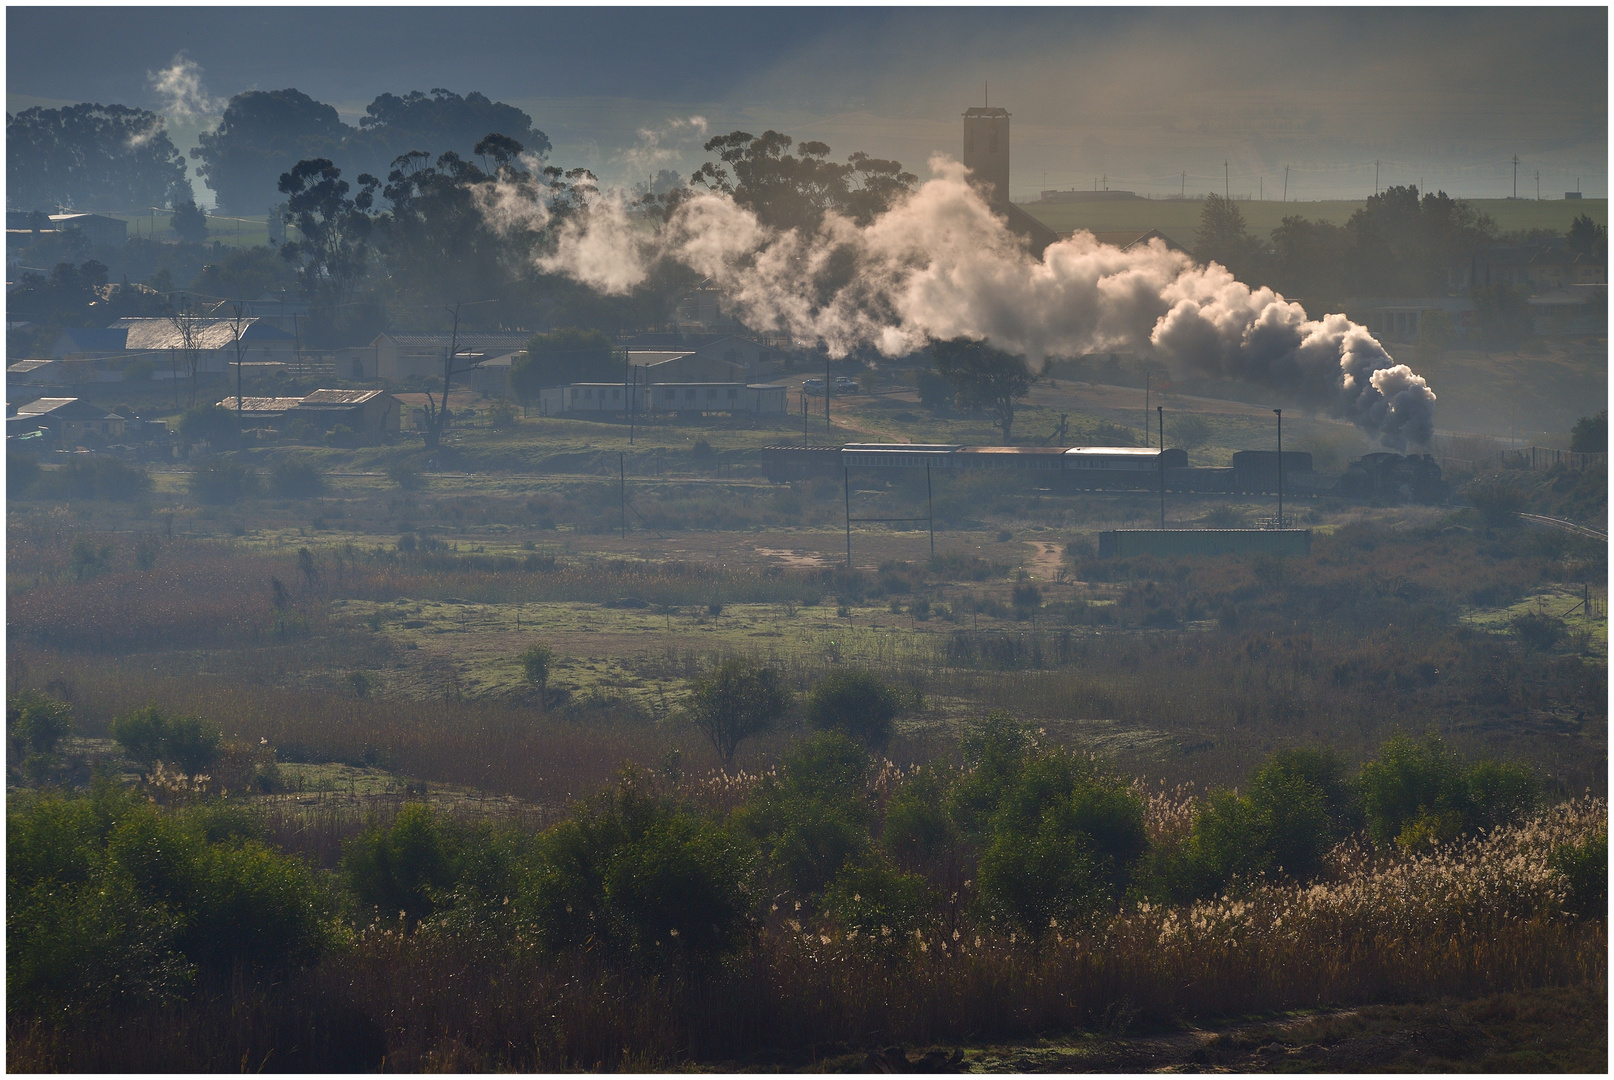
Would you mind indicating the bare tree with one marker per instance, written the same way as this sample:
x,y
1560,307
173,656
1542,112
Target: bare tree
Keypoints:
x,y
187,323
437,412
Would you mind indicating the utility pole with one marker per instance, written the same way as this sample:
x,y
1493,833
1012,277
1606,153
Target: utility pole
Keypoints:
x,y
238,313
1375,176
1226,183
1261,190
1280,466
1538,185
846,492
828,426
633,395
930,512
1183,194
622,489
1286,183
1161,409
1146,377
1515,176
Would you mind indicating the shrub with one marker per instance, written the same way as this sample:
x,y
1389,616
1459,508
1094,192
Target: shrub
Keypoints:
x,y
22,472
703,451
1585,870
994,751
878,900
918,831
95,478
856,703
812,817
1539,630
1419,793
296,480
112,900
211,424
38,723
342,436
501,415
219,483
1064,840
640,877
148,736
406,473
535,663
1590,434
1027,596
735,701
406,868
1498,503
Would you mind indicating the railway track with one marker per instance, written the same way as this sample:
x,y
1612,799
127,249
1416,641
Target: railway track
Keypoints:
x,y
1565,526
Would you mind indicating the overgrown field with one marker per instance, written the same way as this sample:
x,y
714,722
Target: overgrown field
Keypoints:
x,y
1078,807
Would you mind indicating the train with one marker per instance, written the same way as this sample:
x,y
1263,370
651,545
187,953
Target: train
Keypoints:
x,y
1382,476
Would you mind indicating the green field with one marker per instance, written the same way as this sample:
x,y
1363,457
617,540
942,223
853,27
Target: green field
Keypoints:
x,y
1179,218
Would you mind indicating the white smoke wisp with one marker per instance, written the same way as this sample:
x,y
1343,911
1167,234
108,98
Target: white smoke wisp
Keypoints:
x,y
659,146
939,264
180,86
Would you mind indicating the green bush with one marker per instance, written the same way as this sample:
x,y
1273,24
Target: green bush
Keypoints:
x,y
1420,793
918,831
1585,870
535,664
38,723
642,878
1064,840
219,483
406,473
855,703
995,750
342,436
737,700
94,478
813,816
22,472
406,869
148,736
211,424
878,900
296,480
110,900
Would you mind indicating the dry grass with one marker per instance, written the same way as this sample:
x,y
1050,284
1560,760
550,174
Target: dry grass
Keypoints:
x,y
1481,918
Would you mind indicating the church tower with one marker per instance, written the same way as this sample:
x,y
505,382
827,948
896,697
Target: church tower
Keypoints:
x,y
986,151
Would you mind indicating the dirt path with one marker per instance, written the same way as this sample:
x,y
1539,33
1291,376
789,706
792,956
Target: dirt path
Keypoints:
x,y
1048,558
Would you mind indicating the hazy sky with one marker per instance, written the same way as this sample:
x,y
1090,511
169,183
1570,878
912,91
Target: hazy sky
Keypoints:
x,y
1446,96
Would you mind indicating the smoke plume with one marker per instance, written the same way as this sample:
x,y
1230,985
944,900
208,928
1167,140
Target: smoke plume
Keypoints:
x,y
939,264
180,86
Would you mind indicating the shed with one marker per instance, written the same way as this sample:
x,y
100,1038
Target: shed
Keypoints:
x,y
70,419
371,414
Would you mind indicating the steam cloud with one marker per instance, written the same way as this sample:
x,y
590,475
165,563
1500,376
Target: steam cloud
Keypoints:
x,y
180,86
940,264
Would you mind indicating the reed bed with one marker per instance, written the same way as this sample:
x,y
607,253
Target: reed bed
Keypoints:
x,y
1484,916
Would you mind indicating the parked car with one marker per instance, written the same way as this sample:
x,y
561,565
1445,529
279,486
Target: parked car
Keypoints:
x,y
814,387
846,386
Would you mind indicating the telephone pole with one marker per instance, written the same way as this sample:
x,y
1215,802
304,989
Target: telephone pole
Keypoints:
x,y
1161,410
1280,466
1515,176
1226,185
1538,185
1183,194
1375,176
1286,183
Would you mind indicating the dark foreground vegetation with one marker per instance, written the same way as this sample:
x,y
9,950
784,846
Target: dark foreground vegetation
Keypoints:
x,y
833,904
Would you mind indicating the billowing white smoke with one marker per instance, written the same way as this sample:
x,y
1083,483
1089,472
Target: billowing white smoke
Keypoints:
x,y
940,264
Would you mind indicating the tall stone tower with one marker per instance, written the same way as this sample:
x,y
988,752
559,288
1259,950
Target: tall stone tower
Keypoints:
x,y
986,151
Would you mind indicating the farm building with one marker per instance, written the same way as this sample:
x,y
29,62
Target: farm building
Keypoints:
x,y
397,355
370,414
683,397
68,420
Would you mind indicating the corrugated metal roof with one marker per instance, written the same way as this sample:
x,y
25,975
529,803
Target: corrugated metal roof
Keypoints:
x,y
468,339
68,408
161,333
262,404
1108,451
341,397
